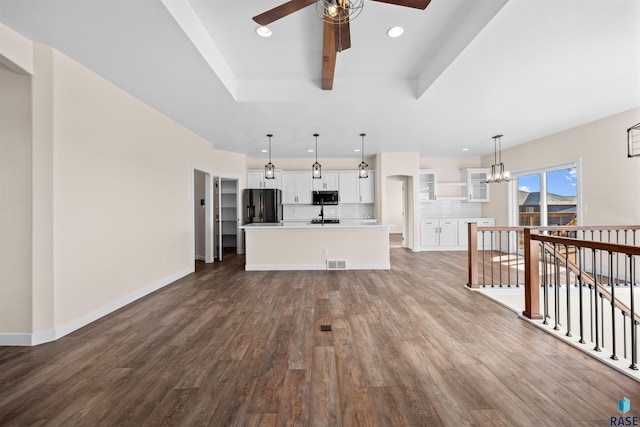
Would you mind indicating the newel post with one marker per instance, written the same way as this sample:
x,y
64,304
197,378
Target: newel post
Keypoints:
x,y
531,275
472,254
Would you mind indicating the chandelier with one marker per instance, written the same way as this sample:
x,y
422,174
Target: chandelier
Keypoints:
x,y
498,173
339,11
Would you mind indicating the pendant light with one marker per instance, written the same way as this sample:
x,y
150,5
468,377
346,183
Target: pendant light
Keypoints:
x,y
269,168
363,168
316,168
498,173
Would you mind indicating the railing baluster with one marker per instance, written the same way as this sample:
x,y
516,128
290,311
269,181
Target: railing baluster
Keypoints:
x,y
484,253
595,295
517,261
567,279
632,317
624,333
580,253
508,262
500,257
492,281
603,345
545,285
556,289
613,310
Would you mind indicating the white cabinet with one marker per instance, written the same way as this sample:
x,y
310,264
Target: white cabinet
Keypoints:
x,y
348,190
483,238
427,185
476,184
256,180
353,189
328,182
296,188
439,233
366,188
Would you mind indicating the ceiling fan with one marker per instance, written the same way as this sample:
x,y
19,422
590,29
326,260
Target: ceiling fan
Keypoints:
x,y
336,15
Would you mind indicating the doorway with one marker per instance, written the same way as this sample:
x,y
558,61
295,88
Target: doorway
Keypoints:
x,y
395,208
227,219
203,208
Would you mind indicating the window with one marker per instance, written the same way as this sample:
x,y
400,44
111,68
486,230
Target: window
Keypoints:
x,y
547,196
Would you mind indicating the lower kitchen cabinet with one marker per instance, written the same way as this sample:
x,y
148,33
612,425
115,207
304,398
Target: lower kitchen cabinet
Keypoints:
x,y
451,233
483,238
439,233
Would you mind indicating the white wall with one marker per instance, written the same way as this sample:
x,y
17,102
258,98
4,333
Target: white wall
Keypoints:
x,y
15,201
610,182
111,195
393,208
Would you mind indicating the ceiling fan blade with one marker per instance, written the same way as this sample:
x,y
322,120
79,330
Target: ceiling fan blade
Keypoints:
x,y
417,4
328,56
342,35
281,11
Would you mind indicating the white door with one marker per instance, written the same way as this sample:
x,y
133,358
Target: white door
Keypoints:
x,y
348,182
448,231
429,233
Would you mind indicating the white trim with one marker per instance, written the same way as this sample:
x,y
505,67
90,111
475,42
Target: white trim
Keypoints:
x,y
41,337
14,339
301,267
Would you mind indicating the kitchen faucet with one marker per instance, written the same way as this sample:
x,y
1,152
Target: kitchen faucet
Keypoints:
x,y
321,211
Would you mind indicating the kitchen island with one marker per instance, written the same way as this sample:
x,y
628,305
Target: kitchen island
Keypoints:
x,y
352,245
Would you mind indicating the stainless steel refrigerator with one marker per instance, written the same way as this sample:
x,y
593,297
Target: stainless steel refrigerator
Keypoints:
x,y
262,206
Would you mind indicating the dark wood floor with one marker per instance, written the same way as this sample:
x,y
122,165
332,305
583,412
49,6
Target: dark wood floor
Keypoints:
x,y
222,347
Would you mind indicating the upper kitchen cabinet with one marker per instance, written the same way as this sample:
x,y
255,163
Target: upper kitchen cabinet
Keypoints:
x,y
356,190
256,180
427,185
296,188
366,187
348,187
476,184
328,182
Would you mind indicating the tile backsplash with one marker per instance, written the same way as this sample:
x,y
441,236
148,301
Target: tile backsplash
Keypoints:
x,y
450,209
341,211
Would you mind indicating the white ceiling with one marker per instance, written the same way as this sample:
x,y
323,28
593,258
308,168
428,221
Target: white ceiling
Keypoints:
x,y
463,71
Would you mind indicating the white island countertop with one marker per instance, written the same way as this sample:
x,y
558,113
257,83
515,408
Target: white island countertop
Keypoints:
x,y
355,223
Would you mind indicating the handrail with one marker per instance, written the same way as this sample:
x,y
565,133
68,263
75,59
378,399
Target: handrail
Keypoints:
x,y
591,244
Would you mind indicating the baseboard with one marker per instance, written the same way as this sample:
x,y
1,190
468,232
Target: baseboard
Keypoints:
x,y
41,337
13,339
306,267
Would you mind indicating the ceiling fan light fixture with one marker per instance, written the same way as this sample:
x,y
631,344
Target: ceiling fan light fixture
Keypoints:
x,y
263,31
395,32
339,11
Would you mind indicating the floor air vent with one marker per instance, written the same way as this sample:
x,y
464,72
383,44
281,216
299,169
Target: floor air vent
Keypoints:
x,y
336,264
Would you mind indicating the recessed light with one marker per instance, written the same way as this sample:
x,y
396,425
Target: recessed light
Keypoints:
x,y
264,151
394,32
465,149
356,149
263,32
309,151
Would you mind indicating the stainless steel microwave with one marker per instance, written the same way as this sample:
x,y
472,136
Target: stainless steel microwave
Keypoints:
x,y
325,197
